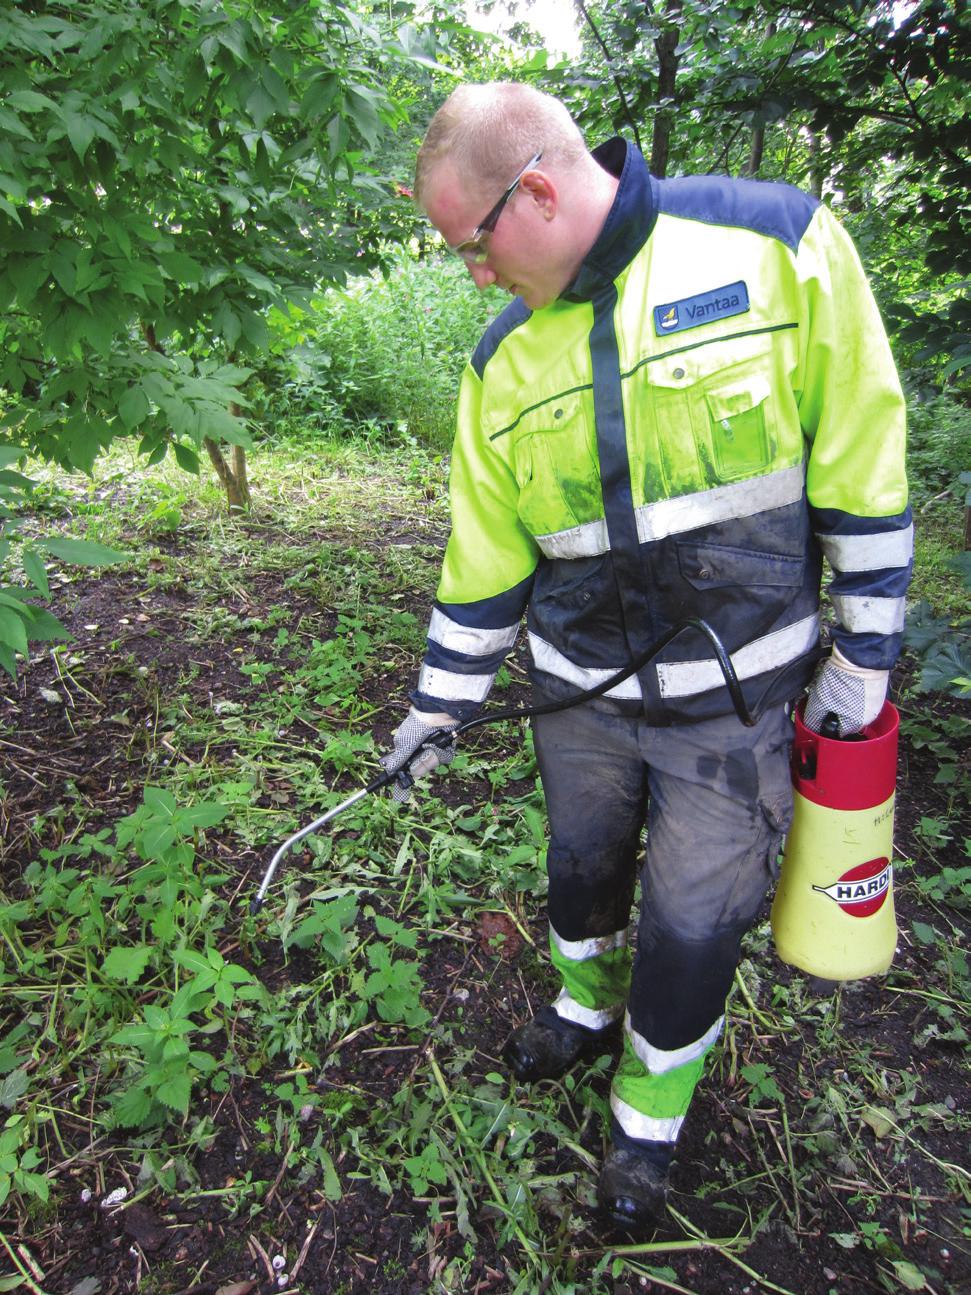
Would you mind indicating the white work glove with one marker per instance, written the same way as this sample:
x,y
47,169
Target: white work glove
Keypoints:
x,y
407,738
854,694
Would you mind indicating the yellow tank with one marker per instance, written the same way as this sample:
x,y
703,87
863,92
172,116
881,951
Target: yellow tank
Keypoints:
x,y
833,914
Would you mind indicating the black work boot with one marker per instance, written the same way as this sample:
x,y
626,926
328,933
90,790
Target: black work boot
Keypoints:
x,y
547,1046
633,1187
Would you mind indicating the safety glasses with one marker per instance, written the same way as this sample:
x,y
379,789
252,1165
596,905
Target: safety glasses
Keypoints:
x,y
475,250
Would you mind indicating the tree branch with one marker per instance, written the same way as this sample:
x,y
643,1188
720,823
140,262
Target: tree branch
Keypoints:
x,y
610,68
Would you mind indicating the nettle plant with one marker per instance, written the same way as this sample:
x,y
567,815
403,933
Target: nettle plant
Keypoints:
x,y
150,988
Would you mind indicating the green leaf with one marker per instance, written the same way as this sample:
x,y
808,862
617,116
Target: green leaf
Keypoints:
x,y
880,1120
133,1108
133,407
127,964
332,1182
204,815
175,1093
13,1088
84,553
80,131
12,630
30,101
192,960
187,459
36,571
160,800
909,1275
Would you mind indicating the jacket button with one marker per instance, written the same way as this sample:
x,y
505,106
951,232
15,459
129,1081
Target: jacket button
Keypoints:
x,y
704,574
678,373
557,413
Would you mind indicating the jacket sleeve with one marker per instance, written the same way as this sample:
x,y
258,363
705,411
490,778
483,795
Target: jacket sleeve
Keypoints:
x,y
853,414
487,573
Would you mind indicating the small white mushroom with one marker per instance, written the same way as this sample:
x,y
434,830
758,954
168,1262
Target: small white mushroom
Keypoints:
x,y
114,1198
279,1262
86,1194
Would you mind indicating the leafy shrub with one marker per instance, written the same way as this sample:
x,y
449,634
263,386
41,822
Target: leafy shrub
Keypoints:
x,y
383,356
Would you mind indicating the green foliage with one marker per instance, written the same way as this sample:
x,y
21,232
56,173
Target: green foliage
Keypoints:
x,y
21,620
383,356
20,1161
170,171
165,166
865,104
938,448
941,644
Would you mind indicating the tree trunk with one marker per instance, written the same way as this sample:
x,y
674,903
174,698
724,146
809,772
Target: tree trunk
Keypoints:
x,y
752,166
815,166
667,71
757,150
231,473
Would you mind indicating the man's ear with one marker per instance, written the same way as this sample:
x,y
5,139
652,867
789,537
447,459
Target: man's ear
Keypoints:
x,y
542,191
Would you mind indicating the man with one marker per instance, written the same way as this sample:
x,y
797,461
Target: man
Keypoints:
x,y
690,401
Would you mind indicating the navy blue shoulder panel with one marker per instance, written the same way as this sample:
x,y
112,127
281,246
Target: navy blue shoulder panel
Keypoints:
x,y
777,210
516,313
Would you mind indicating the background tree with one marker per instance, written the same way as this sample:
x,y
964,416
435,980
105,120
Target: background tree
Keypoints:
x,y
168,171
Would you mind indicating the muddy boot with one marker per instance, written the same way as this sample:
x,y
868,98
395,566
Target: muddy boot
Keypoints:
x,y
547,1046
633,1187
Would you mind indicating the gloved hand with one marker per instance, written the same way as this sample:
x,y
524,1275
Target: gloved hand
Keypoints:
x,y
408,737
853,693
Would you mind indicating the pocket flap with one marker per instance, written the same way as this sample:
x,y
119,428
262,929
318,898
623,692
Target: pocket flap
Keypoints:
x,y
713,566
738,397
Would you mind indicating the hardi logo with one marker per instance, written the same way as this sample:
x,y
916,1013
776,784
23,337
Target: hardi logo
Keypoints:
x,y
670,319
863,890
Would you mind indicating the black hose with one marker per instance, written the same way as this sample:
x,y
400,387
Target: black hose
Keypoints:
x,y
639,662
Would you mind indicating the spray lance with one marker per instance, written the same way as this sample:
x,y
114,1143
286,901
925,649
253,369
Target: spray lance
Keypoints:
x,y
426,756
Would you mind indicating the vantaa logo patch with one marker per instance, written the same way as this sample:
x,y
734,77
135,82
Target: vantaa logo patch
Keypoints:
x,y
863,890
689,312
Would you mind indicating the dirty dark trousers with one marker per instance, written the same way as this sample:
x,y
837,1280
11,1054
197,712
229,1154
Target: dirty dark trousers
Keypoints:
x,y
716,799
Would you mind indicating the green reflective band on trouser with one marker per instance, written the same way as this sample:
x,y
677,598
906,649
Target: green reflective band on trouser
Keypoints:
x,y
597,983
660,1098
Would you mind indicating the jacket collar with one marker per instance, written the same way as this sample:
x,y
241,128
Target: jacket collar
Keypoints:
x,y
629,221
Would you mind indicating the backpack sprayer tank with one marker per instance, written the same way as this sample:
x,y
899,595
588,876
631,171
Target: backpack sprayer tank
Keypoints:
x,y
833,913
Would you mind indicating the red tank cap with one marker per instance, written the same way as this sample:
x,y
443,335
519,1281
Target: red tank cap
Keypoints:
x,y
842,773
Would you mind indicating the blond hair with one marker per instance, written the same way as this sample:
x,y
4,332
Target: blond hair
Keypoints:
x,y
488,131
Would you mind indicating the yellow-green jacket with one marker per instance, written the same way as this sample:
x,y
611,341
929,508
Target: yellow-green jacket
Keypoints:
x,y
710,407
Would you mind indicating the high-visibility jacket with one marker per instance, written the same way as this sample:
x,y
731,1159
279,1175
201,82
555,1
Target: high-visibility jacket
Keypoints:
x,y
709,408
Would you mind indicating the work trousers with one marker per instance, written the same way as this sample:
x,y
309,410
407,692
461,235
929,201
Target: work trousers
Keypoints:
x,y
716,799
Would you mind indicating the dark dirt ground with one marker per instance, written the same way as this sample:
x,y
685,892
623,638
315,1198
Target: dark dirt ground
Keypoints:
x,y
64,754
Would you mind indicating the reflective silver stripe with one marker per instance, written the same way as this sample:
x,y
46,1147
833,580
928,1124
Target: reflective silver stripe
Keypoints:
x,y
721,504
581,950
570,1010
585,541
685,678
863,615
878,552
454,687
464,638
657,1060
547,658
684,513
646,1127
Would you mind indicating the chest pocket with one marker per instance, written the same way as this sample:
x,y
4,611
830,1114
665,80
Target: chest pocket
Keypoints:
x,y
713,409
555,462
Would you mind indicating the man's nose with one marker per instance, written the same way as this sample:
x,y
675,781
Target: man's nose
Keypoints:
x,y
482,275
